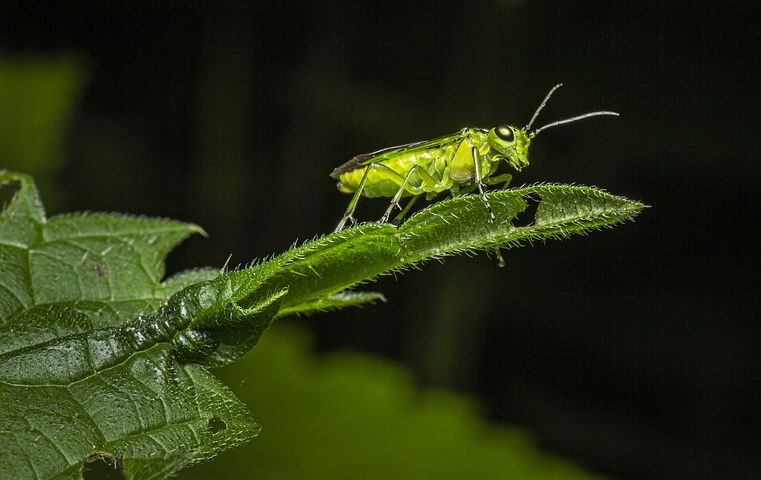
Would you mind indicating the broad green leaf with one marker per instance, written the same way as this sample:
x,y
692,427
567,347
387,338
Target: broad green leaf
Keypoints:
x,y
111,260
89,365
98,357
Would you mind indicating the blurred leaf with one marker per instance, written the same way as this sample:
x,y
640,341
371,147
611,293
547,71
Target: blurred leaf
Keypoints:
x,y
37,98
349,415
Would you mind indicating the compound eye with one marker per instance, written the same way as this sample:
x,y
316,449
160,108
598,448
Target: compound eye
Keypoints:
x,y
505,133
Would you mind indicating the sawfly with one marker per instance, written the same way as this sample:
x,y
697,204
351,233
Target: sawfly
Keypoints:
x,y
461,163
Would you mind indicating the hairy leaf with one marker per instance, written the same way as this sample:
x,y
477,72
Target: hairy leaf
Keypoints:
x,y
333,302
341,260
100,358
90,366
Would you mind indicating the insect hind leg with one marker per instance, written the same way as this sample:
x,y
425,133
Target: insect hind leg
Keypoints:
x,y
349,213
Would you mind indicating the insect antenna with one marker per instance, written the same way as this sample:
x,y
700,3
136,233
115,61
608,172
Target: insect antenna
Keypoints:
x,y
541,106
569,120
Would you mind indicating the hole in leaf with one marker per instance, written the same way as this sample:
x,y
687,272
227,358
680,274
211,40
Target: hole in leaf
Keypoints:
x,y
528,215
7,192
216,425
103,466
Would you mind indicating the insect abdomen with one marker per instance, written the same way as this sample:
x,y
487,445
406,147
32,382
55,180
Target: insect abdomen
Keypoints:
x,y
382,182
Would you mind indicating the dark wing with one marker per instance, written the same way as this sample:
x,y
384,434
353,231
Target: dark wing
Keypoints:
x,y
380,155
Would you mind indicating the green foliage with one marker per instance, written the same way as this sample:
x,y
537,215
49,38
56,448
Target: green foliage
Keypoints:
x,y
349,415
38,96
99,357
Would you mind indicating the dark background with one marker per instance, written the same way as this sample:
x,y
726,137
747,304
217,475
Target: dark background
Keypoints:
x,y
634,351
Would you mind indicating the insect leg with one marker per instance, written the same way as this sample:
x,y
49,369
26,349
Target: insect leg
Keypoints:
x,y
354,200
498,256
499,178
348,215
462,191
480,185
406,210
413,189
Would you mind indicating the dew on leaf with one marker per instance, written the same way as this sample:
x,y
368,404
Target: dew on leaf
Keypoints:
x,y
206,296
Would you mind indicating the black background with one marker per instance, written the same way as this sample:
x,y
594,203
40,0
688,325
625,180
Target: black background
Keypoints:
x,y
634,351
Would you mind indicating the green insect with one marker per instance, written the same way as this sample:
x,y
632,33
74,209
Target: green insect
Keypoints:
x,y
461,163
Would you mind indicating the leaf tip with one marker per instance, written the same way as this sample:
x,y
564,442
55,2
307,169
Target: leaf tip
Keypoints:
x,y
194,228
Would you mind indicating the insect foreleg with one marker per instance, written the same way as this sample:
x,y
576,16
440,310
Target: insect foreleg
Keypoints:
x,y
462,191
498,256
415,190
498,179
480,185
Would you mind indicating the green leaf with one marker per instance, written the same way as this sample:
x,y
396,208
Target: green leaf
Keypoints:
x,y
334,302
339,261
90,366
115,261
98,357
